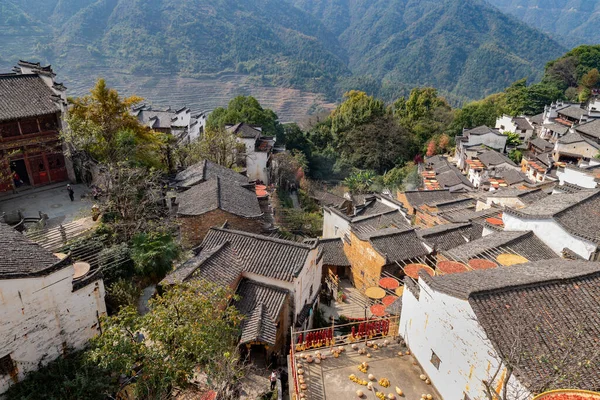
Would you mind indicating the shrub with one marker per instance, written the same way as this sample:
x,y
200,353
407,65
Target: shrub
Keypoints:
x,y
153,254
66,378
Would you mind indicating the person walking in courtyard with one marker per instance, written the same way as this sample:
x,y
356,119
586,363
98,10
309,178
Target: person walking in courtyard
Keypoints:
x,y
71,192
273,380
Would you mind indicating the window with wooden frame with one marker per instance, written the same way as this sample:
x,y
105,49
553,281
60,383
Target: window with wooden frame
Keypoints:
x,y
9,129
29,126
48,123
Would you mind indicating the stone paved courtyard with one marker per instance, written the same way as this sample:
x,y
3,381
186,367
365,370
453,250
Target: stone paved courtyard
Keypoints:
x,y
329,380
52,200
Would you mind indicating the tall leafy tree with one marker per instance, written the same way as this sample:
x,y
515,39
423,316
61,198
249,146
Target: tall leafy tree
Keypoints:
x,y
100,124
357,108
246,109
175,342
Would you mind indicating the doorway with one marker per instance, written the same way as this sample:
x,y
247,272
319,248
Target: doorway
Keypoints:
x,y
20,168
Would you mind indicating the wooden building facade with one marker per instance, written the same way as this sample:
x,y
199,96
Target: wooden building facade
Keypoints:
x,y
31,111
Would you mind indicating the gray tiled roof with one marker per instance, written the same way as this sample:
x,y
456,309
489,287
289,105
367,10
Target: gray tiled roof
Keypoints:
x,y
328,199
364,226
583,218
261,305
418,197
522,123
492,158
549,311
448,236
398,244
333,252
510,176
558,128
219,265
466,215
480,130
527,196
541,144
537,119
571,137
590,128
553,204
451,176
262,255
373,207
20,257
573,111
244,130
458,204
524,243
221,194
467,284
205,170
23,96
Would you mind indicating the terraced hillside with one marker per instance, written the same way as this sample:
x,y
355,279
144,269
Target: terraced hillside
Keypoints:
x,y
201,94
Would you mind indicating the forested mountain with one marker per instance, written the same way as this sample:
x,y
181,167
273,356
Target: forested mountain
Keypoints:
x,y
572,22
465,48
268,38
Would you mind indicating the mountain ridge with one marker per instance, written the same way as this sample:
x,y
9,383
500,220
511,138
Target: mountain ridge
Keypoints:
x,y
467,49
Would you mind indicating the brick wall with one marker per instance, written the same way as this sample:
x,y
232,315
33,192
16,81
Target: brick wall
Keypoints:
x,y
402,199
194,228
366,263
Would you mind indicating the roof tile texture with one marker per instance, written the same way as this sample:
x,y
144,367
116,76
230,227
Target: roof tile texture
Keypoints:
x,y
23,96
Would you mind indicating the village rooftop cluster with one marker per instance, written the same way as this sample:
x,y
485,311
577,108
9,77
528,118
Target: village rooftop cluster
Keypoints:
x,y
487,272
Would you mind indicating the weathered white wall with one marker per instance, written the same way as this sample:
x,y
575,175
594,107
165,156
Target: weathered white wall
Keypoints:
x,y
310,276
551,233
256,166
448,326
582,148
475,177
576,177
299,288
43,317
331,220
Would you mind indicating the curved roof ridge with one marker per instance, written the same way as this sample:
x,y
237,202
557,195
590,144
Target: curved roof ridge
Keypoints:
x,y
266,238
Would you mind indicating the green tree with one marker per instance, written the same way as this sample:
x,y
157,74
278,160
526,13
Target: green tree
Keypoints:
x,y
101,125
521,99
296,139
154,252
360,182
246,109
356,109
377,145
216,145
513,139
174,342
396,177
477,113
516,156
591,78
134,200
424,114
422,104
66,378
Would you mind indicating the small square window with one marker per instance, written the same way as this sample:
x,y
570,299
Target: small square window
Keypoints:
x,y
7,366
435,360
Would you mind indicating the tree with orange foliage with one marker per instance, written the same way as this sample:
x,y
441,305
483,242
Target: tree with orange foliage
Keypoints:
x,y
431,148
101,125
